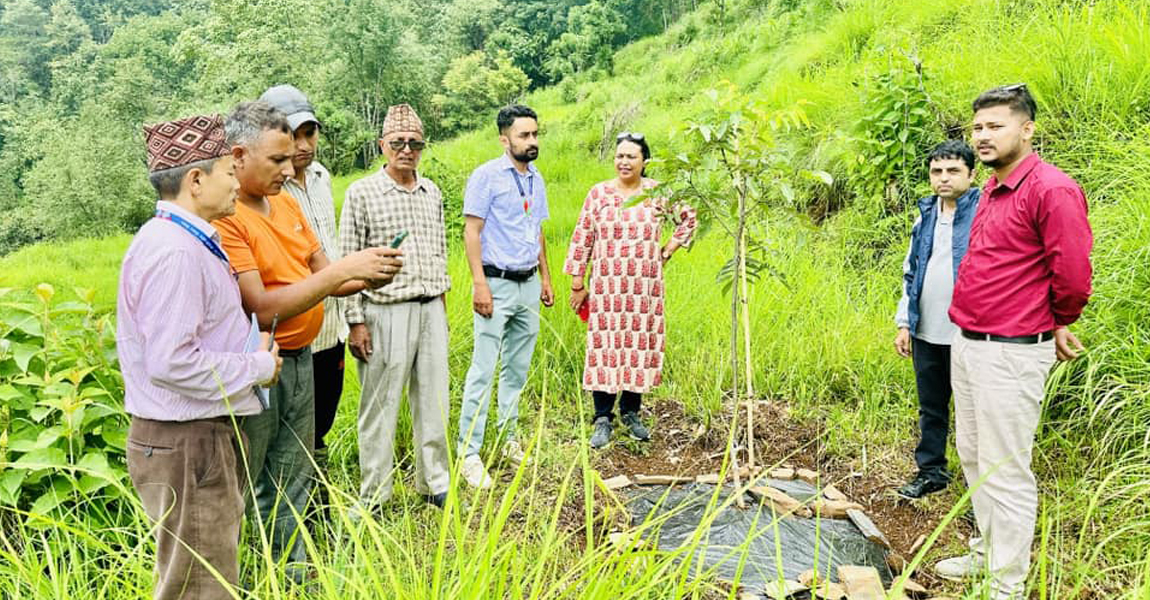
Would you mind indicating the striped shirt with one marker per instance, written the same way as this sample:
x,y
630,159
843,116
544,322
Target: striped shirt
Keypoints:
x,y
180,328
319,207
375,210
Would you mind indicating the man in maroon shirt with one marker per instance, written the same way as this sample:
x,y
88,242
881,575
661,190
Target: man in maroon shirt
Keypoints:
x,y
1024,280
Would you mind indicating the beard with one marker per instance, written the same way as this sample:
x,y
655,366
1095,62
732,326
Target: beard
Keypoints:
x,y
525,155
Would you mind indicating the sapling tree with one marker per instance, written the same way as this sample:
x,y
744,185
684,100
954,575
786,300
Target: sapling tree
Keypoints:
x,y
732,168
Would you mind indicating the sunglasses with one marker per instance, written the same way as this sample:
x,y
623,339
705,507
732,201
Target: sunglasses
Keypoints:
x,y
1013,88
415,145
629,135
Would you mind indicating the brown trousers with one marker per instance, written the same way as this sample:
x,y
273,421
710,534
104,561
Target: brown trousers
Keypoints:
x,y
188,478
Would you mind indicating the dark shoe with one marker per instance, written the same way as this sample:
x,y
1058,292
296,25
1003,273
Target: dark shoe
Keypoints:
x,y
438,500
920,487
635,427
601,434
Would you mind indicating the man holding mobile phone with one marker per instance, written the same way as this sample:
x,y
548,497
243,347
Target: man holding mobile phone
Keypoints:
x,y
399,331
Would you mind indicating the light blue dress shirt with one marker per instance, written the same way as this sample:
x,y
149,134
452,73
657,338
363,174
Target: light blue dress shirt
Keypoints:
x,y
510,237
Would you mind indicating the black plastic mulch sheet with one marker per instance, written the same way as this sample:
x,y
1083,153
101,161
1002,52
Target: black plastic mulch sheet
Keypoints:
x,y
836,542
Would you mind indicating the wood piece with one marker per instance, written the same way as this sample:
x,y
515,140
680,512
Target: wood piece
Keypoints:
x,y
662,479
913,589
709,479
784,473
861,583
617,482
829,590
917,545
781,590
807,577
869,530
780,501
896,562
808,476
834,509
832,493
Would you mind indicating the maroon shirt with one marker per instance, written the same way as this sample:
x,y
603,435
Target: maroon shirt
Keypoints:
x,y
1027,269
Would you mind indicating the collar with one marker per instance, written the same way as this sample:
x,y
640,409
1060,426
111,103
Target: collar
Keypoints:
x,y
1020,172
392,183
313,171
505,163
196,221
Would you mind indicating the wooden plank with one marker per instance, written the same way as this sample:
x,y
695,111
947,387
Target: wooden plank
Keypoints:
x,y
832,493
781,590
662,479
617,482
782,503
861,583
834,509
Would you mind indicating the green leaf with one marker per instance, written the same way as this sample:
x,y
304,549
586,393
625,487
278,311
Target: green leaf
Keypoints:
x,y
705,131
48,437
22,354
44,292
10,483
787,190
43,458
39,412
28,323
57,493
116,437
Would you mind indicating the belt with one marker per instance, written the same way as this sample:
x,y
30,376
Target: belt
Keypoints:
x,y
1009,339
491,271
293,353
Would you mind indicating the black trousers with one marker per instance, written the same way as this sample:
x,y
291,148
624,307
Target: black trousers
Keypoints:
x,y
932,375
328,367
605,402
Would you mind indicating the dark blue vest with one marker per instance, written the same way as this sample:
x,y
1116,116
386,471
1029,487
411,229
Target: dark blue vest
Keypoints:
x,y
922,243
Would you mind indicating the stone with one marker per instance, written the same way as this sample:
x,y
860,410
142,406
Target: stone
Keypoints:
x,y
917,545
808,476
832,493
913,589
617,482
896,562
621,540
744,595
829,590
867,527
861,583
785,473
807,577
834,509
781,590
662,479
709,479
782,503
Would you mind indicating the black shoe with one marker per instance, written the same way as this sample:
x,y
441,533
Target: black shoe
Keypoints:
x,y
601,432
920,487
635,426
437,500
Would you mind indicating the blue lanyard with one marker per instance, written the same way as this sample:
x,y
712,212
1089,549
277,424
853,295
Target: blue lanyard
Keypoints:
x,y
530,185
208,242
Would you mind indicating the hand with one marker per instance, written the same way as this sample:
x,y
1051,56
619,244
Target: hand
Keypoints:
x,y
578,297
547,296
902,342
481,301
1066,345
669,250
377,266
359,340
267,344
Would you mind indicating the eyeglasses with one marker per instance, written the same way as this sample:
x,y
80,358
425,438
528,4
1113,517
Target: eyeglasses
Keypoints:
x,y
415,145
629,135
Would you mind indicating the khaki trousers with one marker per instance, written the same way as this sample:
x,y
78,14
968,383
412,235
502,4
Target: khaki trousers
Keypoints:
x,y
409,349
188,479
998,390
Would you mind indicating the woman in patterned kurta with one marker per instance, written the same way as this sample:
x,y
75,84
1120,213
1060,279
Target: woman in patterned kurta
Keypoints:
x,y
625,293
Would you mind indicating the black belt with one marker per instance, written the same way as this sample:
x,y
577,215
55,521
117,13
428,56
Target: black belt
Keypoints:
x,y
293,353
1037,338
491,271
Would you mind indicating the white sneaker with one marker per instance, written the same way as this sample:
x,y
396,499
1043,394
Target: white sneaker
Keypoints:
x,y
474,473
960,568
513,453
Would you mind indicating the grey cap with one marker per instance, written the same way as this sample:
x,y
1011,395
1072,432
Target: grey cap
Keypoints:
x,y
291,102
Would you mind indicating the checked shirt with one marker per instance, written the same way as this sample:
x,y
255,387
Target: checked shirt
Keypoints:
x,y
375,210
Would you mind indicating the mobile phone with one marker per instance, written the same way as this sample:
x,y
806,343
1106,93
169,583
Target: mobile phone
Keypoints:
x,y
399,239
272,332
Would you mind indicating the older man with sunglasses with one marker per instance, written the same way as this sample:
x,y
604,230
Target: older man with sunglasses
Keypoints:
x,y
399,331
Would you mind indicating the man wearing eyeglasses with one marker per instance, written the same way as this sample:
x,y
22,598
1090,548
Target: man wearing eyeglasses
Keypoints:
x,y
1024,280
399,331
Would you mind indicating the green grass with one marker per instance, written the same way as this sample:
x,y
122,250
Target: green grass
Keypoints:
x,y
821,334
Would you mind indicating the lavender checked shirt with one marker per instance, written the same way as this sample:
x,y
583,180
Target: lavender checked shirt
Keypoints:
x,y
180,328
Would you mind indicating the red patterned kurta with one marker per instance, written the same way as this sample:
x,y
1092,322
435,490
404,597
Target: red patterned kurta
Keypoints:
x,y
625,331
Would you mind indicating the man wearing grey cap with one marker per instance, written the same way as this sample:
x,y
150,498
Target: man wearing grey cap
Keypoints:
x,y
311,188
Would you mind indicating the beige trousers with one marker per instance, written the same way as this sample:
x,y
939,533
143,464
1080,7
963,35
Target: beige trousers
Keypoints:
x,y
409,349
998,389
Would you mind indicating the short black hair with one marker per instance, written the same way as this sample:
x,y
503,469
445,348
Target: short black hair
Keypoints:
x,y
1016,96
508,114
952,149
168,181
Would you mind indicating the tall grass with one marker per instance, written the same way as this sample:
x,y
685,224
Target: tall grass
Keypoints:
x,y
821,332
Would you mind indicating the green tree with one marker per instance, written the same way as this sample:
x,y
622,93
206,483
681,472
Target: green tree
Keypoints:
x,y
476,85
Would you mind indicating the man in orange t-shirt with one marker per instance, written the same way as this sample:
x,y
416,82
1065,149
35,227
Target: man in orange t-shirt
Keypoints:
x,y
283,272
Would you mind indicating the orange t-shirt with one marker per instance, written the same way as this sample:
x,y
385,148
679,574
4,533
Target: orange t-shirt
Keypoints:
x,y
278,246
